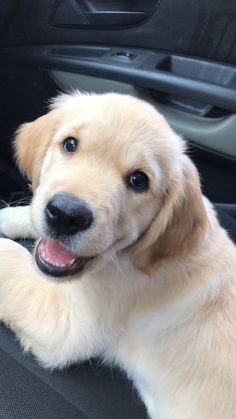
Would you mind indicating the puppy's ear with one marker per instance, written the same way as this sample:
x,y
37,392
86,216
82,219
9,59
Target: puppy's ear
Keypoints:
x,y
30,145
178,225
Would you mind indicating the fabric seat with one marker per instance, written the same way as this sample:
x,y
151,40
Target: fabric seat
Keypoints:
x,y
88,390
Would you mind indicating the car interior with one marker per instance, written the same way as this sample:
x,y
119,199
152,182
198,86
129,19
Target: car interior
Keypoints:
x,y
178,55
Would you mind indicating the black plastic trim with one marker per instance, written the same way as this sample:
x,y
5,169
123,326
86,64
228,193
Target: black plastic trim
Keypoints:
x,y
146,70
215,156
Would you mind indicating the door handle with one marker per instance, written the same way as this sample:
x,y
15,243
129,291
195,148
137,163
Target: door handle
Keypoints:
x,y
115,18
74,13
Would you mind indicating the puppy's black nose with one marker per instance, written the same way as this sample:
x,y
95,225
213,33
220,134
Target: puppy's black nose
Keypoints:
x,y
66,214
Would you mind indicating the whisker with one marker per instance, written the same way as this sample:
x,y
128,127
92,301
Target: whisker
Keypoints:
x,y
17,202
4,204
115,258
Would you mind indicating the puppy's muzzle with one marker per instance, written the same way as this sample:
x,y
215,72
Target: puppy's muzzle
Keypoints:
x,y
67,215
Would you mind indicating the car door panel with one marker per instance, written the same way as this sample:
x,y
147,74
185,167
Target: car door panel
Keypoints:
x,y
180,58
202,28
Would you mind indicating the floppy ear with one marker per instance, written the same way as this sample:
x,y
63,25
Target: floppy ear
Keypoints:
x,y
30,145
179,223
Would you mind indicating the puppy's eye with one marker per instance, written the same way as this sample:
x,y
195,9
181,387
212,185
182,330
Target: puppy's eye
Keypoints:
x,y
70,144
138,180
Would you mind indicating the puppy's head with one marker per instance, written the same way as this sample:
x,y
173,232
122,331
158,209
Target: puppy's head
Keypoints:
x,y
108,175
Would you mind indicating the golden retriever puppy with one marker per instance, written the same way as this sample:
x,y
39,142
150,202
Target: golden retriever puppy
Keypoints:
x,y
144,276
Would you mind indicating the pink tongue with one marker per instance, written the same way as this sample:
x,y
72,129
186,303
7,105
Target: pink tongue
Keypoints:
x,y
54,252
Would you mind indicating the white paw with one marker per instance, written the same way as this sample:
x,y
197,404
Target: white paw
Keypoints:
x,y
6,223
15,223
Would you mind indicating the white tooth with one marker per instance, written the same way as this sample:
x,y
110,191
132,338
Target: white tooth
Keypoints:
x,y
58,265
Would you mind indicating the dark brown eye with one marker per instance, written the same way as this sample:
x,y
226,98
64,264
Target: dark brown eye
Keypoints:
x,y
70,145
138,181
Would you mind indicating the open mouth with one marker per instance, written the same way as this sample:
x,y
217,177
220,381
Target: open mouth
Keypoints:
x,y
56,260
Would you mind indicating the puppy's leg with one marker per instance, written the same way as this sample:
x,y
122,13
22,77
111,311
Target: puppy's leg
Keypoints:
x,y
15,222
52,319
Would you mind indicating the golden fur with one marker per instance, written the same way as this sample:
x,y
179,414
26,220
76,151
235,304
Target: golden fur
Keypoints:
x,y
160,299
